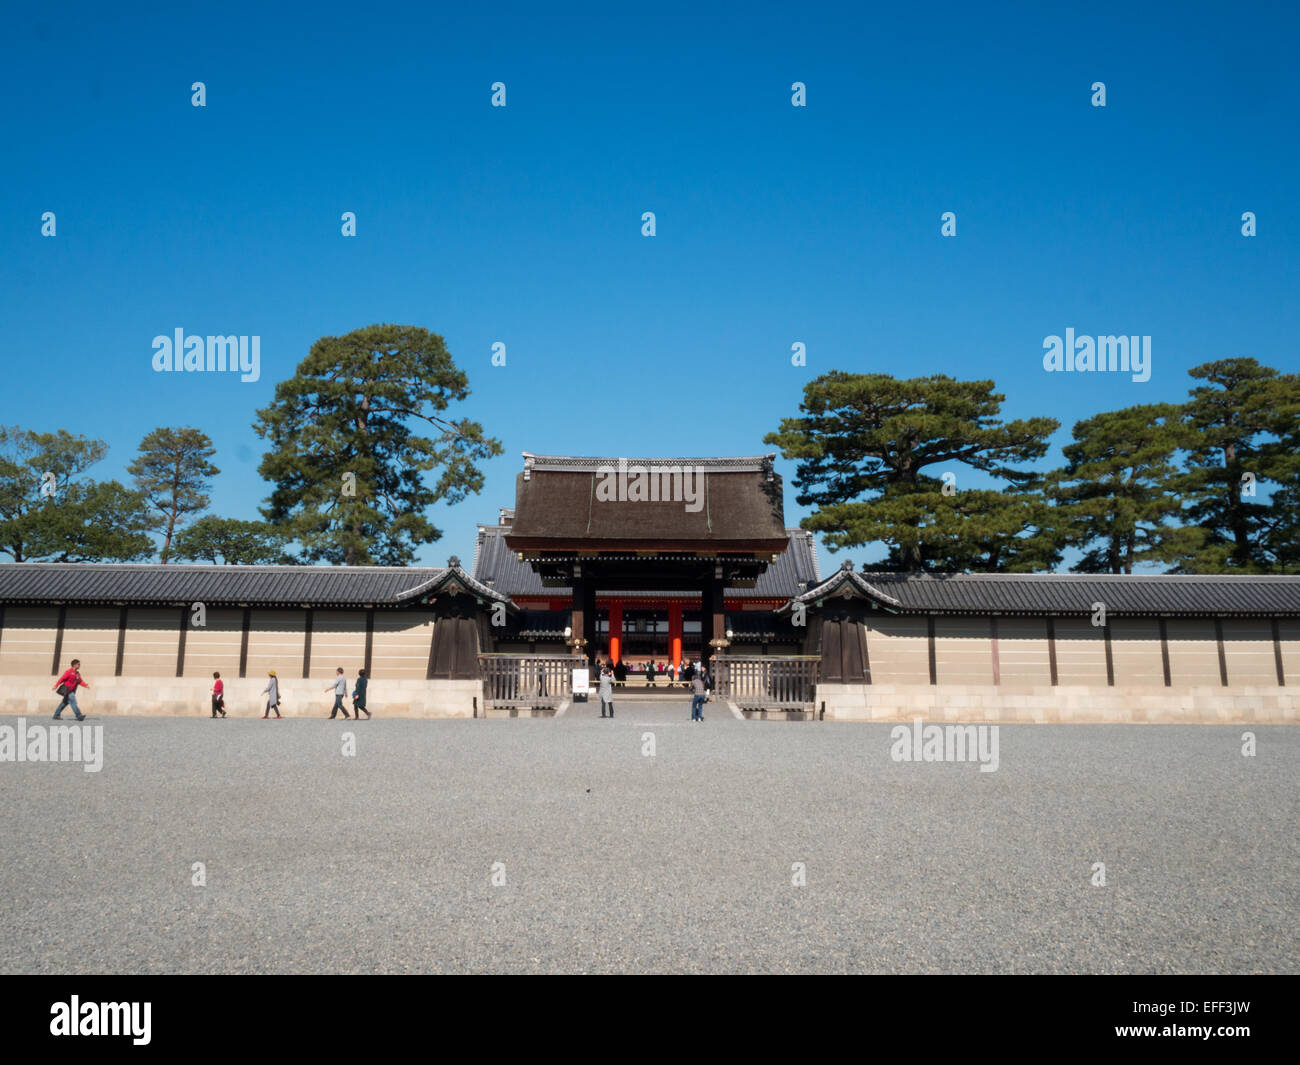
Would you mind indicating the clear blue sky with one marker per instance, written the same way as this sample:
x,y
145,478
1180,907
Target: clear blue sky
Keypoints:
x,y
523,224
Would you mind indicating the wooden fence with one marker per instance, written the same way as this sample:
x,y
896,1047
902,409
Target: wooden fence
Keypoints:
x,y
766,682
536,681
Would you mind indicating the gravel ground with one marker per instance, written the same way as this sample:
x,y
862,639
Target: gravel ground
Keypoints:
x,y
615,861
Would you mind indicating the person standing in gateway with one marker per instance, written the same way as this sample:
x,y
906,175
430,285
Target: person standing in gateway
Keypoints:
x,y
606,691
699,693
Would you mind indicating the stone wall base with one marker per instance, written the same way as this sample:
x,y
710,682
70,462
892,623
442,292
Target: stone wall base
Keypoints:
x,y
1063,704
173,697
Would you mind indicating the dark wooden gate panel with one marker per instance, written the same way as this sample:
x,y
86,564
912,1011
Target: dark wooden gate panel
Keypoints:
x,y
832,669
455,649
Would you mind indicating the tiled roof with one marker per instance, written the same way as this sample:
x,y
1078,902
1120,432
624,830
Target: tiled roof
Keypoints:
x,y
58,582
1069,593
584,463
499,568
564,501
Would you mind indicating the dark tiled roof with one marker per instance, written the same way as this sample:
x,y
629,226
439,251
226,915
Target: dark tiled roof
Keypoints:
x,y
56,582
565,501
1069,593
499,567
571,463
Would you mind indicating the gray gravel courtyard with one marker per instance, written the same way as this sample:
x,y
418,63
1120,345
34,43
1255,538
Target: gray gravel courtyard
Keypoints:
x,y
615,861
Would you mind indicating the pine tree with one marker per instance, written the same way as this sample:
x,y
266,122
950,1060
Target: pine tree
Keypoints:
x,y
172,471
232,542
352,435
1242,470
893,441
1118,490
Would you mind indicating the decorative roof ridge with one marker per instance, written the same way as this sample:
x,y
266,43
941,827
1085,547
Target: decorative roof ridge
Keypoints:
x,y
542,462
449,574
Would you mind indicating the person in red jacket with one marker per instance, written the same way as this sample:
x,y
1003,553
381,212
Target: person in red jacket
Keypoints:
x,y
218,696
70,681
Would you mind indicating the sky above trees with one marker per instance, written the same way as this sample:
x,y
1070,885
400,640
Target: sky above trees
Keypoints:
x,y
522,226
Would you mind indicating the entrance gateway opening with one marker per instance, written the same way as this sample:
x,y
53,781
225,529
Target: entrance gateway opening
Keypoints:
x,y
628,577
624,545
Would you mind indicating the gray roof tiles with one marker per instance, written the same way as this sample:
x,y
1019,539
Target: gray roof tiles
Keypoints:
x,y
55,582
1071,593
498,574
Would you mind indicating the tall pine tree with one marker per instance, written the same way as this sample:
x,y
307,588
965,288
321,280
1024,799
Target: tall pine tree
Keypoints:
x,y
873,452
172,471
1117,493
352,436
1243,469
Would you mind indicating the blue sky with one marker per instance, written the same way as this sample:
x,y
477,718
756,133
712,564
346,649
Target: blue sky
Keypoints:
x,y
522,224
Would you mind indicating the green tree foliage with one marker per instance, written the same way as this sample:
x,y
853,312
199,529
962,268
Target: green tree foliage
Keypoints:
x,y
351,437
51,511
1243,468
173,473
1118,494
232,542
891,441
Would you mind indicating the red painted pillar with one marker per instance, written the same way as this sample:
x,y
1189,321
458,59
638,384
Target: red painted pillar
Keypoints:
x,y
615,630
675,633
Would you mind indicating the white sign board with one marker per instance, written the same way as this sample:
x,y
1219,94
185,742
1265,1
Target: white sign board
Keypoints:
x,y
582,682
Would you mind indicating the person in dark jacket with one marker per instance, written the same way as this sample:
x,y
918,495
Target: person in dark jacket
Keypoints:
x,y
650,673
359,696
620,673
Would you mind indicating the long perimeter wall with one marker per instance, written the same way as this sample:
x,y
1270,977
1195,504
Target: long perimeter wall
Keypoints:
x,y
148,660
1065,669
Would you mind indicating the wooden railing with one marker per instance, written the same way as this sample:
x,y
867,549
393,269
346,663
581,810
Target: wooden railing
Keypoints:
x,y
527,680
766,682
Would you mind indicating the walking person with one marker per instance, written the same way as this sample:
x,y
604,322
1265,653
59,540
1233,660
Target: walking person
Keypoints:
x,y
650,673
607,691
699,694
272,693
359,696
340,689
67,686
218,696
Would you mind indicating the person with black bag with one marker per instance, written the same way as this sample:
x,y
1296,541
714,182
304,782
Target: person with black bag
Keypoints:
x,y
67,686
